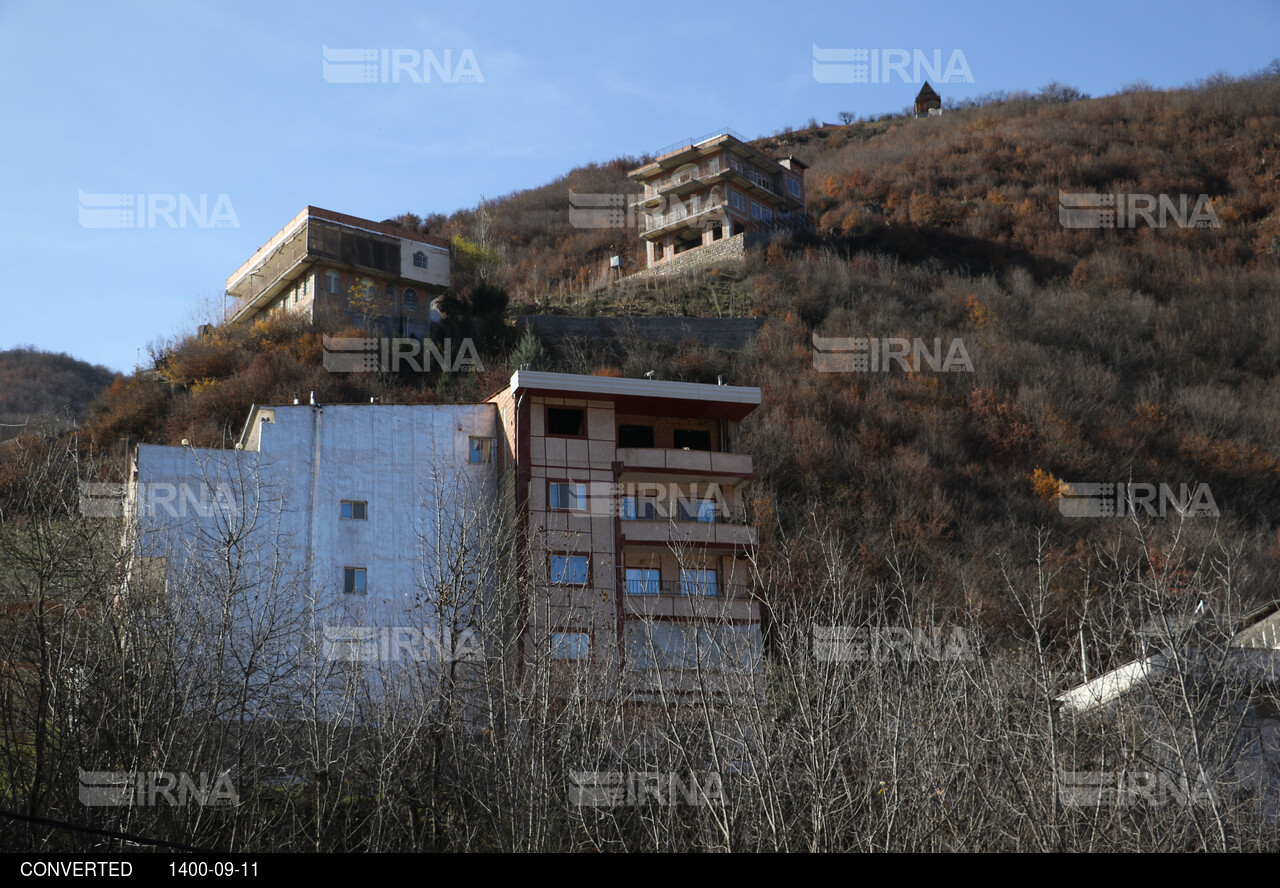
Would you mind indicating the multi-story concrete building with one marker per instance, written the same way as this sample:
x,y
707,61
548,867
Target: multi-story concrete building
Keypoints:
x,y
378,528
331,534
703,191
368,273
629,493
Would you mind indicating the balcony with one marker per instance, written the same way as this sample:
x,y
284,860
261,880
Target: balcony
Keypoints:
x,y
665,532
678,588
641,463
683,181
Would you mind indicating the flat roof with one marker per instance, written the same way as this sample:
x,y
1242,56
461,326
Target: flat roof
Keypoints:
x,y
355,222
656,396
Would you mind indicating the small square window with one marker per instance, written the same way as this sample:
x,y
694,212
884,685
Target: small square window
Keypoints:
x,y
570,645
569,569
571,422
355,510
567,495
353,580
479,450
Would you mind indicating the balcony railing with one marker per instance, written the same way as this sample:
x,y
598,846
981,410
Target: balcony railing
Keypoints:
x,y
654,514
689,143
689,589
683,177
755,178
681,213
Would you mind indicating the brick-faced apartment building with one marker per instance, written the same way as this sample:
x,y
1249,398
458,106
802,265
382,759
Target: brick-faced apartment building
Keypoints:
x,y
629,493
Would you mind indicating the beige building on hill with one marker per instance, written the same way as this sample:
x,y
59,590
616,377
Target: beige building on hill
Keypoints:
x,y
707,190
369,273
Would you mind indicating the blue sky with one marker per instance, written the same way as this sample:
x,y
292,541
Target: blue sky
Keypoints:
x,y
231,98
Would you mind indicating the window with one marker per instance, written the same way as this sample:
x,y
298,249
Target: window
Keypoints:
x,y
389,291
635,436
715,648
332,281
419,259
353,580
717,231
657,250
643,581
570,422
698,582
793,186
691,439
480,450
355,510
410,299
739,202
570,645
566,495
569,569
638,509
698,510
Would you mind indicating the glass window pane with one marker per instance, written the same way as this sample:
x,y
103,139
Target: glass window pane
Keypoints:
x,y
569,645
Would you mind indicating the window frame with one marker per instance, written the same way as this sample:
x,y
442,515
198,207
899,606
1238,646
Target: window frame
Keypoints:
x,y
656,580
569,561
487,448
420,254
571,495
355,580
343,510
409,299
558,647
546,421
689,589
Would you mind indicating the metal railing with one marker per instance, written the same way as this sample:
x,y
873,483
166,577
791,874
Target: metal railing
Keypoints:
x,y
689,143
688,589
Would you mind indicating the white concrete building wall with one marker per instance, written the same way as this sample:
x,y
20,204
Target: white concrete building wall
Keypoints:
x,y
437,270
426,507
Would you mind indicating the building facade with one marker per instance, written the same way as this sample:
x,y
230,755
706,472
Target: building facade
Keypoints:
x,y
366,273
710,189
330,536
591,526
629,493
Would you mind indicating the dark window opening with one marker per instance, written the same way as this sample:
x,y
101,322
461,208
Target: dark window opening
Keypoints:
x,y
691,439
635,436
737,228
561,421
717,231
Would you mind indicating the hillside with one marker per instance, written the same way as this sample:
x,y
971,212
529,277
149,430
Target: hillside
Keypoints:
x,y
42,388
1144,354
